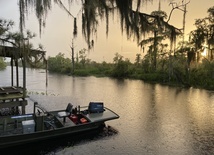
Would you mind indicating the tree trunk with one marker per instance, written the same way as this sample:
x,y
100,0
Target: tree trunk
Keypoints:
x,y
155,50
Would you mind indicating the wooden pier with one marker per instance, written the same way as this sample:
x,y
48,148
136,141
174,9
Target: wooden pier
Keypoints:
x,y
14,96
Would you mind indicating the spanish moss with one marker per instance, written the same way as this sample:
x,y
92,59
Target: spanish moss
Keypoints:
x,y
75,27
133,21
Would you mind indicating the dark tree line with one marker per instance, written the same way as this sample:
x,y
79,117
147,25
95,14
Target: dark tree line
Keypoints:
x,y
176,61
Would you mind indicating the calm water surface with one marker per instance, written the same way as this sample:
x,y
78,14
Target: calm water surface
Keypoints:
x,y
154,119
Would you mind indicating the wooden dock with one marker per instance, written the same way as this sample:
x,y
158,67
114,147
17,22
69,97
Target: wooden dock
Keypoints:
x,y
14,96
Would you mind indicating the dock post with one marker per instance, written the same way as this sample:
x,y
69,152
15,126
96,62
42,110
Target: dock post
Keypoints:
x,y
23,108
5,124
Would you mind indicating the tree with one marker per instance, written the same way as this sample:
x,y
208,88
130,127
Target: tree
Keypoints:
x,y
133,21
121,67
82,57
137,59
118,58
22,42
5,35
198,36
210,39
59,64
203,34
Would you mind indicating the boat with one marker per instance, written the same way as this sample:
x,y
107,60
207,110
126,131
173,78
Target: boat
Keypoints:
x,y
21,128
43,125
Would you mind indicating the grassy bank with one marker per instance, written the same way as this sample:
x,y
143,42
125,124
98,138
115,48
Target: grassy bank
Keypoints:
x,y
200,75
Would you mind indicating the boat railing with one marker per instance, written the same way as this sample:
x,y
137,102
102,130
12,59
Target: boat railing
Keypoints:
x,y
22,116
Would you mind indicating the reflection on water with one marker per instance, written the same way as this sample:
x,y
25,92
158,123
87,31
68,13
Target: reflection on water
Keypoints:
x,y
154,119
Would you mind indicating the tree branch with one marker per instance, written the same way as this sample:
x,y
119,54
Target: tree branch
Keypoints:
x,y
5,40
63,6
176,7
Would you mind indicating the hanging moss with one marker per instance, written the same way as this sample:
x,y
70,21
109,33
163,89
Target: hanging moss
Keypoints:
x,y
75,27
133,22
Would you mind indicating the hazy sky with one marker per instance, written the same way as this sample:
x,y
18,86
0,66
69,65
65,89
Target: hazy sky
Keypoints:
x,y
57,35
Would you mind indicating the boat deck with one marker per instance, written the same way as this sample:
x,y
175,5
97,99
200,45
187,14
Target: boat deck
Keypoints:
x,y
13,125
68,122
102,116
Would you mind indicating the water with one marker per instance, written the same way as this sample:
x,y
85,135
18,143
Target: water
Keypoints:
x,y
154,119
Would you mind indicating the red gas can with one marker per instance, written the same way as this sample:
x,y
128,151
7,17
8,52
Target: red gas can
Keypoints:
x,y
74,118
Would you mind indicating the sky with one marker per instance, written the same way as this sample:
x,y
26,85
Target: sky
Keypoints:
x,y
57,35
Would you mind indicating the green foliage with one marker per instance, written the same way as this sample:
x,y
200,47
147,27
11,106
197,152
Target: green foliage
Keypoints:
x,y
81,72
121,67
203,34
203,75
2,64
82,57
59,64
138,59
146,64
170,70
160,14
154,77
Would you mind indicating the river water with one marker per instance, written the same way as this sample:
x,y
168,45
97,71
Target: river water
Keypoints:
x,y
154,119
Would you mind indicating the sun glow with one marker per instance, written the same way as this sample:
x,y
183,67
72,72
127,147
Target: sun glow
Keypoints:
x,y
204,53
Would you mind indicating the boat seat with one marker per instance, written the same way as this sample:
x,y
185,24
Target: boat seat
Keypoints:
x,y
66,113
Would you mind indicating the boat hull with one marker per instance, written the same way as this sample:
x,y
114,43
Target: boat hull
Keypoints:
x,y
9,141
22,129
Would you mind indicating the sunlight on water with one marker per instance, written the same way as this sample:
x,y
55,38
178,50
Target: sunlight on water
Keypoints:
x,y
154,119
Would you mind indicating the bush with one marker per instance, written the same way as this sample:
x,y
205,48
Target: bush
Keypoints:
x,y
2,64
121,69
201,75
154,77
59,64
